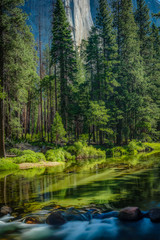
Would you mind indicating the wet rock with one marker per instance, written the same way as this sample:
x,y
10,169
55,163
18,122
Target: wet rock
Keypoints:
x,y
32,220
5,210
130,214
56,218
73,214
154,214
105,215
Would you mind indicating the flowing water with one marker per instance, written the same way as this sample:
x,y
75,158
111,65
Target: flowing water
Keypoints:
x,y
89,184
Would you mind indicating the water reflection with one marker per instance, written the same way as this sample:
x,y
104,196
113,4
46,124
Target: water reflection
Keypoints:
x,y
82,184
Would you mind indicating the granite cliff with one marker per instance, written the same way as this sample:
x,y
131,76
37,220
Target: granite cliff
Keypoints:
x,y
81,15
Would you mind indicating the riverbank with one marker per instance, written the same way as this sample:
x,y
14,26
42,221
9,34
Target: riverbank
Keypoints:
x,y
25,166
78,152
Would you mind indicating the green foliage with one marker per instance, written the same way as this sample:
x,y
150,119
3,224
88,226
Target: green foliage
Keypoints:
x,y
57,155
16,151
98,116
117,152
82,151
63,55
134,147
58,130
7,164
29,156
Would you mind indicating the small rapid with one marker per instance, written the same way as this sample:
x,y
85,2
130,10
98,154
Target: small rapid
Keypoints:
x,y
96,229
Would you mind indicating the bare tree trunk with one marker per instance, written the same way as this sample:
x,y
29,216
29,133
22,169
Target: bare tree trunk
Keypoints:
x,y
56,101
45,118
41,73
48,118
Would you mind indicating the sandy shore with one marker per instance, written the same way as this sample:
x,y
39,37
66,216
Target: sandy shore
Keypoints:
x,y
38,165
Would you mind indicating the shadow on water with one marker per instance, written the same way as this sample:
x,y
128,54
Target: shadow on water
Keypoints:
x,y
130,181
113,183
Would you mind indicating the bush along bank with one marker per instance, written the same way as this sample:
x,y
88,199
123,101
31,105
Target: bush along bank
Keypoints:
x,y
77,151
133,148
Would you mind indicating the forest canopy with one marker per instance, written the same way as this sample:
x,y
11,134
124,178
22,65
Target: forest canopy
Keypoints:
x,y
105,91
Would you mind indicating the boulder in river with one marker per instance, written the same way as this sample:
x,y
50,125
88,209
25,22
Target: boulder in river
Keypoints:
x,y
56,218
130,214
5,210
154,214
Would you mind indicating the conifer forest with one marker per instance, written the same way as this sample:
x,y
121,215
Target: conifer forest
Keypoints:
x,y
90,108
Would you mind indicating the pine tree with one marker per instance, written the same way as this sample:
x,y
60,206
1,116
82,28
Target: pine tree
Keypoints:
x,y
142,19
109,48
18,68
58,130
63,55
131,78
94,64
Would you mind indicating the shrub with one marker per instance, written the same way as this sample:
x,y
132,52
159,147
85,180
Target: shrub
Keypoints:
x,y
134,147
57,155
118,151
16,151
68,156
7,164
30,157
83,151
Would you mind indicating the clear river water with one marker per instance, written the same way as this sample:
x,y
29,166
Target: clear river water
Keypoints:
x,y
97,184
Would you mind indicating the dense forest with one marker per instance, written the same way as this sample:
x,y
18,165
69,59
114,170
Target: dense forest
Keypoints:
x,y
105,91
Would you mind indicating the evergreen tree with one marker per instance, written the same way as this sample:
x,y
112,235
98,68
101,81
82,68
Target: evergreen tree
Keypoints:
x,y
94,64
18,67
109,48
130,99
63,55
143,21
58,130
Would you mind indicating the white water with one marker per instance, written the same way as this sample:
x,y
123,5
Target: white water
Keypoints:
x,y
108,229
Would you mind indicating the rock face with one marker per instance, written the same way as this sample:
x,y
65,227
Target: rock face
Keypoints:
x,y
80,18
154,215
81,15
130,214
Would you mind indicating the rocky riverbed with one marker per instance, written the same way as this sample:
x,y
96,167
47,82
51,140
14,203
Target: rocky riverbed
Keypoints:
x,y
86,223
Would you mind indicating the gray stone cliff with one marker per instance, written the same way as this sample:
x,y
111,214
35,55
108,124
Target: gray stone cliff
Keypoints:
x,y
81,15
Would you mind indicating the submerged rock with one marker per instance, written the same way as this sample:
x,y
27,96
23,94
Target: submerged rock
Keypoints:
x,y
32,220
56,218
105,215
154,214
130,214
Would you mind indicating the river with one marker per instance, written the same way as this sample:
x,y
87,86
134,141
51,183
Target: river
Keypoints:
x,y
89,184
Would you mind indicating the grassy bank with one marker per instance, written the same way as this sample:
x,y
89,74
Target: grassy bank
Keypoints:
x,y
77,152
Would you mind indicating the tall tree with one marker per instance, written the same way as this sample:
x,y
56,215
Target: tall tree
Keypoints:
x,y
142,19
63,55
107,35
2,143
130,99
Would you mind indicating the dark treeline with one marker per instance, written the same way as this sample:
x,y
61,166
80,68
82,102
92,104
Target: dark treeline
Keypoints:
x,y
105,91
